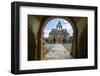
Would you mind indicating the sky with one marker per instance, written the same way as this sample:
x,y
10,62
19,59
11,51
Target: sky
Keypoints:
x,y
52,24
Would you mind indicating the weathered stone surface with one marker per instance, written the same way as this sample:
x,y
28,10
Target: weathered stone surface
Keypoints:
x,y
58,51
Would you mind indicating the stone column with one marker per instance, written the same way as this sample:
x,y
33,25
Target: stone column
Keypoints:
x,y
42,46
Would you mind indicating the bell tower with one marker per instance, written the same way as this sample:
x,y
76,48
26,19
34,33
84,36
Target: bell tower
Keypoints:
x,y
59,26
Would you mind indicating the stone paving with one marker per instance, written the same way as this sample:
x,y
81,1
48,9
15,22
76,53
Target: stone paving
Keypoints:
x,y
58,51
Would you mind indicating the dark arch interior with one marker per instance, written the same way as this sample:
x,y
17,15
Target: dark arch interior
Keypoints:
x,y
31,45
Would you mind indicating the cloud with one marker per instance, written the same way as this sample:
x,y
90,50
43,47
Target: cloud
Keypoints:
x,y
46,33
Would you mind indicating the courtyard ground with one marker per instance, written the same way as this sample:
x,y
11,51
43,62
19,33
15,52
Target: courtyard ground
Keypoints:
x,y
57,51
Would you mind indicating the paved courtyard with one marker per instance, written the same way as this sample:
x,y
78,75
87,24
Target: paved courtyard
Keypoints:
x,y
57,51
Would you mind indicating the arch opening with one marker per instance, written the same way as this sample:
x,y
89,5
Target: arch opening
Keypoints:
x,y
58,37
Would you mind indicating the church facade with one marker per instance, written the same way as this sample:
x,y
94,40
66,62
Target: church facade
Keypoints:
x,y
58,35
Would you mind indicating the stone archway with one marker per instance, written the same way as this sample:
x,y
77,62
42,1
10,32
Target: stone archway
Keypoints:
x,y
41,38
